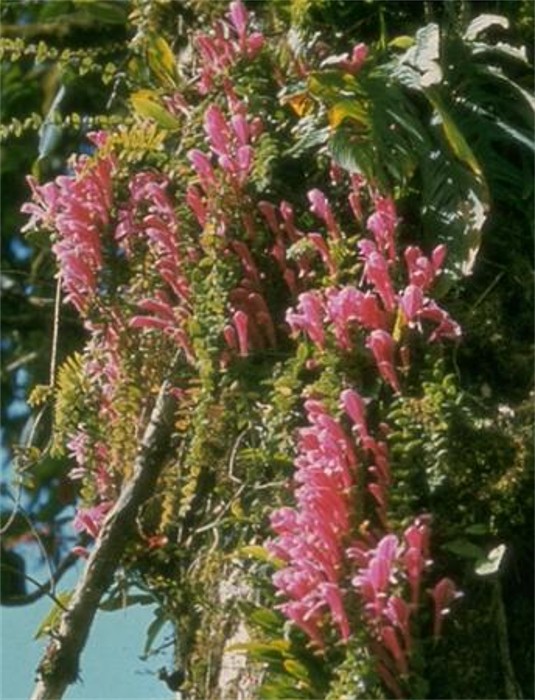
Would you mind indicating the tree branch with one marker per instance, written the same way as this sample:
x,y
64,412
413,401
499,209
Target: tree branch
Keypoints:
x,y
60,662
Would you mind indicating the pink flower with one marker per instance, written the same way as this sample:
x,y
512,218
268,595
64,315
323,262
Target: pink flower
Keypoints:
x,y
217,130
447,327
391,642
358,57
203,168
382,224
376,273
309,317
443,594
90,520
238,16
423,271
322,209
321,246
382,346
398,613
411,302
241,323
353,405
197,204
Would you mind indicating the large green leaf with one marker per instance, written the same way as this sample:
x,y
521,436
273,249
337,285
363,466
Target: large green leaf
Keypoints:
x,y
455,205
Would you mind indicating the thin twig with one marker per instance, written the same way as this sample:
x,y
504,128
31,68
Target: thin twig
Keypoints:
x,y
55,333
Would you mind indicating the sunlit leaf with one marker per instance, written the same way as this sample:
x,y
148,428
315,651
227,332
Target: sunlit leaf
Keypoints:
x,y
491,564
484,22
146,105
53,617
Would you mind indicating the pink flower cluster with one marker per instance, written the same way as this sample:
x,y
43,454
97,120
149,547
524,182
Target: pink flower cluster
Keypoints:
x,y
230,142
327,565
311,536
228,43
150,216
376,305
251,325
78,208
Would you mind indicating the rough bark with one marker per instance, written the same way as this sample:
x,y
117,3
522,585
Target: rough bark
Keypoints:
x,y
59,666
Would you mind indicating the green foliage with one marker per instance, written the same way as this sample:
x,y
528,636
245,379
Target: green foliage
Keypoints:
x,y
440,116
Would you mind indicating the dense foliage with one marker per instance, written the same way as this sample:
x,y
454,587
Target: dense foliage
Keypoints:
x,y
322,225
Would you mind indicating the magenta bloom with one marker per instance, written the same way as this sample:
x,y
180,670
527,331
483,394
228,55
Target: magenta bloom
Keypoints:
x,y
382,346
382,224
411,302
241,323
376,273
308,317
358,57
319,205
443,594
217,130
78,207
90,520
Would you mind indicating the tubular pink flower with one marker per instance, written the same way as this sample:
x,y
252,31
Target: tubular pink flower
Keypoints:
x,y
376,273
353,405
203,168
320,206
217,130
197,205
411,302
391,642
90,520
443,594
241,129
382,224
309,317
358,57
398,613
382,346
241,323
238,16
321,246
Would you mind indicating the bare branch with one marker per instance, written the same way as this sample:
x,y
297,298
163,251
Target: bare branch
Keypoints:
x,y
60,662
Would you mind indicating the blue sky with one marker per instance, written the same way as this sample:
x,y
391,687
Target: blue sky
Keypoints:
x,y
110,664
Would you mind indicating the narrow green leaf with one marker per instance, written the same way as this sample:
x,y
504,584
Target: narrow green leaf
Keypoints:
x,y
154,629
52,618
456,140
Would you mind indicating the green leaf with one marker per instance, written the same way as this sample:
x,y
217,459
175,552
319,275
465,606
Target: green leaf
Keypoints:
x,y
352,152
52,618
349,108
463,548
401,42
119,602
491,563
298,670
255,551
477,529
454,210
104,11
146,105
162,61
331,85
268,620
154,629
455,139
